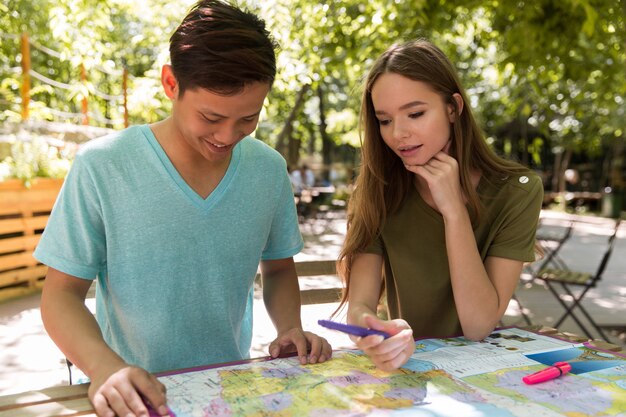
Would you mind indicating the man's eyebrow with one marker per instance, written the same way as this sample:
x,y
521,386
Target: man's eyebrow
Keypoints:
x,y
220,116
404,106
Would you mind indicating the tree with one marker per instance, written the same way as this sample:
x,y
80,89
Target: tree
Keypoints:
x,y
101,37
546,77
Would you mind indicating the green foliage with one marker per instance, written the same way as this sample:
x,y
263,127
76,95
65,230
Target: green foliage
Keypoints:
x,y
566,59
34,159
554,66
103,37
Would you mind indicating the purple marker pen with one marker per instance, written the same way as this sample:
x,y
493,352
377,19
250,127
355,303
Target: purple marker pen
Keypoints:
x,y
351,329
153,413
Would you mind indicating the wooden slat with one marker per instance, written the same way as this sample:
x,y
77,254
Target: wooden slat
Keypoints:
x,y
16,292
313,268
22,209
27,196
67,401
20,243
23,225
67,408
36,184
17,199
11,226
37,222
22,275
17,260
25,209
320,296
61,393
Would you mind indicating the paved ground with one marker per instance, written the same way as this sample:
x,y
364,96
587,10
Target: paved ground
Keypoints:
x,y
29,360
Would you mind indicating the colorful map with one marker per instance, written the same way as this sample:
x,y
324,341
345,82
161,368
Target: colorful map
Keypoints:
x,y
439,380
569,395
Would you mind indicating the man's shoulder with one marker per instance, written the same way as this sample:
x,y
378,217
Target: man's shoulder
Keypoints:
x,y
115,142
258,148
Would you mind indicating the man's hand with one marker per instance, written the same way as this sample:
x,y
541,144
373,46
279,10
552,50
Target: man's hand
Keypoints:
x,y
319,349
120,393
387,354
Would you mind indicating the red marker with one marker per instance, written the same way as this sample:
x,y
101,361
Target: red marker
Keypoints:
x,y
551,372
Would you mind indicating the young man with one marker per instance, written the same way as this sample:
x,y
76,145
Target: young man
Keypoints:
x,y
173,219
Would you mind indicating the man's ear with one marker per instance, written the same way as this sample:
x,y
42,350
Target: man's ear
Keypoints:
x,y
169,82
452,115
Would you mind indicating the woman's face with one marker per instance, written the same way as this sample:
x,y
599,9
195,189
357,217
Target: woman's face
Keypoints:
x,y
414,120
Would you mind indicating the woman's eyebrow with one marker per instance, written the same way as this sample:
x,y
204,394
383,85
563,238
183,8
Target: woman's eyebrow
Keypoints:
x,y
404,106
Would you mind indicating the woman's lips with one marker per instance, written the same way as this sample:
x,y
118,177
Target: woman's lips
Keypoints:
x,y
407,151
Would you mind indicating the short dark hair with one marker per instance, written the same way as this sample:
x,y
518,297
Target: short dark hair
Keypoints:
x,y
221,48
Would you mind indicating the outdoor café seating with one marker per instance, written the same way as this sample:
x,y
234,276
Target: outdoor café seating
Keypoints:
x,y
562,282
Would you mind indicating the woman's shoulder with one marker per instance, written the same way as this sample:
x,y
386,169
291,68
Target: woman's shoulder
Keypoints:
x,y
523,182
518,195
526,180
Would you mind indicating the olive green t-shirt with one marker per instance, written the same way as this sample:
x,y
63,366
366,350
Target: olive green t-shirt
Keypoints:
x,y
412,243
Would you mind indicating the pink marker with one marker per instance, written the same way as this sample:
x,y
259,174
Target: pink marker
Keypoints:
x,y
551,372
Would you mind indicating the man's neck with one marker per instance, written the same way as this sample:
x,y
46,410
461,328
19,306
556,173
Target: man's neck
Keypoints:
x,y
201,175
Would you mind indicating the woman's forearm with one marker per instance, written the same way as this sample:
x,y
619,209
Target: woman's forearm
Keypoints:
x,y
475,295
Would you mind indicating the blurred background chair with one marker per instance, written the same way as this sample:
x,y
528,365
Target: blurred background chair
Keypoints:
x,y
564,282
551,236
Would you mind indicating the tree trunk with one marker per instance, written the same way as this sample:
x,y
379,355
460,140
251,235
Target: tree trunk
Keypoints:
x,y
605,177
524,140
282,140
556,169
293,154
327,143
311,144
564,165
616,164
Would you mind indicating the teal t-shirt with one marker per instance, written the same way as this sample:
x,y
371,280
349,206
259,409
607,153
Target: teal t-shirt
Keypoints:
x,y
175,271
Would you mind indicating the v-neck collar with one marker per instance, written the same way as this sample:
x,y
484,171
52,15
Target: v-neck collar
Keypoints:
x,y
193,196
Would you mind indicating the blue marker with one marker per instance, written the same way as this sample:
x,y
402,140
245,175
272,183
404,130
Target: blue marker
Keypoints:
x,y
353,330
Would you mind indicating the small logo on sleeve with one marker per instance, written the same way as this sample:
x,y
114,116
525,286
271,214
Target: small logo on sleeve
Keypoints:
x,y
524,179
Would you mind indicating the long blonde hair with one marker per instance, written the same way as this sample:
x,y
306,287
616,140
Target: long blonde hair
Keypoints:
x,y
383,181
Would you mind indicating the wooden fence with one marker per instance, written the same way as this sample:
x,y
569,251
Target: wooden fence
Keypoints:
x,y
24,213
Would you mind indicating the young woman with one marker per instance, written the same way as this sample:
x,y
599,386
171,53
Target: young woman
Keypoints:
x,y
437,220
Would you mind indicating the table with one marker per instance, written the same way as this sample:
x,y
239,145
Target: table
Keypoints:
x,y
72,400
